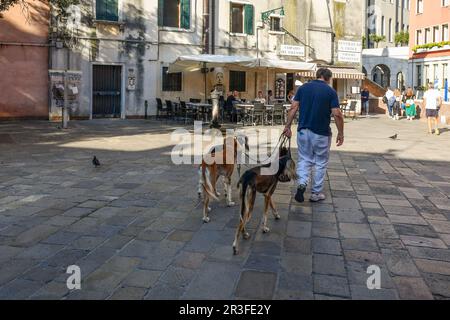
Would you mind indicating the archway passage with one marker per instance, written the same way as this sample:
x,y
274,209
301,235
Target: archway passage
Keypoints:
x,y
381,74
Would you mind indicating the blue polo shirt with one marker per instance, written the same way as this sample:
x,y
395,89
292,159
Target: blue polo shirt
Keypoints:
x,y
316,100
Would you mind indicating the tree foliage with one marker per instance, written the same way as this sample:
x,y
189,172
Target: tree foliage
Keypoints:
x,y
402,38
60,5
376,38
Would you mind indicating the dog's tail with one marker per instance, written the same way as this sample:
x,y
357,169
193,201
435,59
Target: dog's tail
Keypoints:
x,y
207,185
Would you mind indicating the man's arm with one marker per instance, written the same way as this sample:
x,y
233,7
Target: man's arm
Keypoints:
x,y
291,115
339,120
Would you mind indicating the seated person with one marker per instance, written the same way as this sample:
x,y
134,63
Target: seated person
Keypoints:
x,y
230,109
260,98
270,97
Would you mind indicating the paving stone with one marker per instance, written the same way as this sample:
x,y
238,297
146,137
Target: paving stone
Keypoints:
x,y
430,253
397,219
400,263
224,277
329,265
266,248
51,291
355,231
414,230
325,230
384,231
180,235
66,257
294,286
62,238
190,260
331,285
363,293
423,242
438,284
299,229
441,226
117,241
302,246
256,285
260,262
358,276
364,256
326,245
87,242
34,235
78,212
128,293
142,278
297,263
19,289
433,266
39,251
172,284
412,288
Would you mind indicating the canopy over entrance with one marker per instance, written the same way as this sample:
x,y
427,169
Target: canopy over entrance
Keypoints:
x,y
199,61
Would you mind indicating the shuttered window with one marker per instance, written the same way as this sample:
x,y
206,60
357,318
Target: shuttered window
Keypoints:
x,y
242,18
174,13
171,81
107,10
249,13
238,81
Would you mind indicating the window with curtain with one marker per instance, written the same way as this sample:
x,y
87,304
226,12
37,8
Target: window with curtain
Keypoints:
x,y
174,13
171,81
238,81
107,10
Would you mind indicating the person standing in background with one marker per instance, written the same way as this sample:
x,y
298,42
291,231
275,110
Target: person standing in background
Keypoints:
x,y
390,100
365,100
432,100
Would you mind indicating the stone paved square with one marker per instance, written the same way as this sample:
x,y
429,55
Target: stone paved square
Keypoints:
x,y
134,226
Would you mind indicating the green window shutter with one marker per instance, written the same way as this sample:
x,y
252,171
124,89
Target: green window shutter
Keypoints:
x,y
160,12
107,10
113,10
100,9
249,13
185,6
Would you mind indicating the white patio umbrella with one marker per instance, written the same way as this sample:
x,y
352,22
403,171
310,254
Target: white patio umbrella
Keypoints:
x,y
206,61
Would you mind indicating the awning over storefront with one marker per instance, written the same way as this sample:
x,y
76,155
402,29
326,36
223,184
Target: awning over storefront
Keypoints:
x,y
199,61
196,62
338,73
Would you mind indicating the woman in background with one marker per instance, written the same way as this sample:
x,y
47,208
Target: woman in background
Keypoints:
x,y
410,106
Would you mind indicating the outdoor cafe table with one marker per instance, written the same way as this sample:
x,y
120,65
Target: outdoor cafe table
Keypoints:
x,y
201,106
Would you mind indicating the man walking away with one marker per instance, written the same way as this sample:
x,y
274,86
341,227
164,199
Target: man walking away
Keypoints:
x,y
365,100
432,101
317,101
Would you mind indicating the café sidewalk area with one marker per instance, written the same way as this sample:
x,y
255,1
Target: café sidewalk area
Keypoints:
x,y
134,225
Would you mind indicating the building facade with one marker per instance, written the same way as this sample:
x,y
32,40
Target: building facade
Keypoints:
x,y
430,48
386,62
386,18
24,62
430,42
122,49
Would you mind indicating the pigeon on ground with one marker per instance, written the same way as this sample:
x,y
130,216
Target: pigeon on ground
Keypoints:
x,y
95,162
394,137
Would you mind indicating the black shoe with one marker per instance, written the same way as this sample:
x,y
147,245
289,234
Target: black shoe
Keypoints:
x,y
299,196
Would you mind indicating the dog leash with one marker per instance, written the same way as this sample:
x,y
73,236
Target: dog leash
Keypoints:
x,y
281,141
